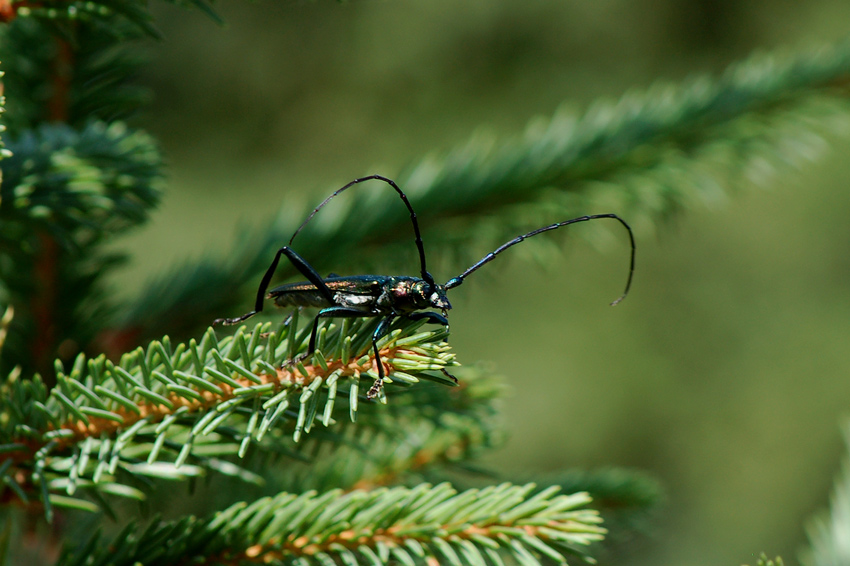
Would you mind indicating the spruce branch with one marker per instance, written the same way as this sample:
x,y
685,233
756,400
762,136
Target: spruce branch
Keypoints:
x,y
419,435
78,175
645,156
79,186
64,194
68,60
422,525
176,411
71,71
106,13
628,501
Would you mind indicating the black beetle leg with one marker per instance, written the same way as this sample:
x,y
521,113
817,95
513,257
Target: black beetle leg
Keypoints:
x,y
377,335
301,265
330,312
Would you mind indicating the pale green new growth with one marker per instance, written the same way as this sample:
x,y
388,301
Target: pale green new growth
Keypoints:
x,y
421,525
174,411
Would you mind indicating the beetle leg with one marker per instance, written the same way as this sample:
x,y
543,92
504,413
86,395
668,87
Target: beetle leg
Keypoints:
x,y
432,317
346,312
377,335
301,265
330,312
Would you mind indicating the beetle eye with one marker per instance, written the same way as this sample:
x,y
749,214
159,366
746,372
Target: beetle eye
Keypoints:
x,y
434,297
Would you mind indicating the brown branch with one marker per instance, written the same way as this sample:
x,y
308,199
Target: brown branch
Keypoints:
x,y
8,12
43,306
63,72
275,551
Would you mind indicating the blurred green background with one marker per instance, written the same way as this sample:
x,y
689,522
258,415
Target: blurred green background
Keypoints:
x,y
724,374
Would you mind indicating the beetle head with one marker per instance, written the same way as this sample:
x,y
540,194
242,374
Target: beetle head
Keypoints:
x,y
429,295
434,294
438,298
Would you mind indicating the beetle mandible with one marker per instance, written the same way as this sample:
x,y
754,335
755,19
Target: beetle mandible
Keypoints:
x,y
385,296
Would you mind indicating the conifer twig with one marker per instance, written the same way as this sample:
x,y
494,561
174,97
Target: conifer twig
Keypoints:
x,y
426,524
172,410
417,436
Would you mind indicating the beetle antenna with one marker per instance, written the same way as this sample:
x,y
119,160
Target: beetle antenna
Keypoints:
x,y
419,245
456,281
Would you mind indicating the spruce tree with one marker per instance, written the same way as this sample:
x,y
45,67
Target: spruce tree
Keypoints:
x,y
106,403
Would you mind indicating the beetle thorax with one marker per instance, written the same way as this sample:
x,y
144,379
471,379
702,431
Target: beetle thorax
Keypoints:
x,y
408,294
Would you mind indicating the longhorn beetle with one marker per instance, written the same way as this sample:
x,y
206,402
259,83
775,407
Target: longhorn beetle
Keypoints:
x,y
385,296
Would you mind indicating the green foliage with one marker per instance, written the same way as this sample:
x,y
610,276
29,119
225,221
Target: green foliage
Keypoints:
x,y
174,412
423,525
70,61
93,83
64,194
80,429
626,499
78,176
